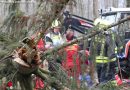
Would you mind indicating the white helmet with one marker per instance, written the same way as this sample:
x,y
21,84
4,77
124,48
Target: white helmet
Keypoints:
x,y
55,23
101,21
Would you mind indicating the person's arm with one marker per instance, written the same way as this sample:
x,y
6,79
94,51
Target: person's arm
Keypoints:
x,y
49,42
127,49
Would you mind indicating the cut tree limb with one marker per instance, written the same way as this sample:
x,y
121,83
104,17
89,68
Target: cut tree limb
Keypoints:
x,y
21,62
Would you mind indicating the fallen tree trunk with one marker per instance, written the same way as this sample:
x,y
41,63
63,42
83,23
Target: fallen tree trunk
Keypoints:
x,y
85,36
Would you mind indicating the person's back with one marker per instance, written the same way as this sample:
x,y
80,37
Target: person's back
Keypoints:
x,y
105,57
71,52
71,60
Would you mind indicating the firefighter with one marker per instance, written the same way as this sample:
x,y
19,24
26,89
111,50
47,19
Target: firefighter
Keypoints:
x,y
105,54
54,38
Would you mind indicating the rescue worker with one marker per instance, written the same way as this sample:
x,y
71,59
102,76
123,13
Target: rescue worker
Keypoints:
x,y
54,38
71,62
105,54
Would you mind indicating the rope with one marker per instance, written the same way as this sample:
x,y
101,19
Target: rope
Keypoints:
x,y
119,68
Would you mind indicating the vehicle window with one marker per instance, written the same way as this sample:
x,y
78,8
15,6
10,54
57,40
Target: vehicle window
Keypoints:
x,y
127,24
110,18
124,28
123,15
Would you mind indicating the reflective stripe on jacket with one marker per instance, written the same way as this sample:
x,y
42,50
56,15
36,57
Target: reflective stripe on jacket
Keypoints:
x,y
106,50
101,59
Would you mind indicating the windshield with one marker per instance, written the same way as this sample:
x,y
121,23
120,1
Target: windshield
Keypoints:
x,y
123,30
110,18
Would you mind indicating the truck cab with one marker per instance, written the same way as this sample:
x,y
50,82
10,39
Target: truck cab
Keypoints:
x,y
112,15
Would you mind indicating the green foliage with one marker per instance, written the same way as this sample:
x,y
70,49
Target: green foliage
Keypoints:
x,y
109,86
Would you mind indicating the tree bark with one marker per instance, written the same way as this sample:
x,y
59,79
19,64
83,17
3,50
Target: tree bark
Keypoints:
x,y
95,8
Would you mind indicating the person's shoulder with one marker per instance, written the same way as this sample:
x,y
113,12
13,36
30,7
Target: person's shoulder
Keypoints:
x,y
128,43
